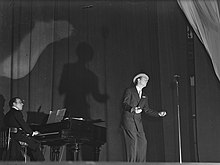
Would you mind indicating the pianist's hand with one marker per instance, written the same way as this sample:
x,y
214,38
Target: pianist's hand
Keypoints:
x,y
35,133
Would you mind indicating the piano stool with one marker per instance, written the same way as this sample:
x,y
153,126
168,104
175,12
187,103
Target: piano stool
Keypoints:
x,y
24,148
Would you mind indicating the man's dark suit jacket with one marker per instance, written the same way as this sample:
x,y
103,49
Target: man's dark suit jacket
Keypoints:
x,y
14,118
131,120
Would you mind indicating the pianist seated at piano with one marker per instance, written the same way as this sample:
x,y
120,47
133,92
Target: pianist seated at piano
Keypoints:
x,y
21,132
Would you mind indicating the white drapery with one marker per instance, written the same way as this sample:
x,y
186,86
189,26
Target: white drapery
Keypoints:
x,y
203,16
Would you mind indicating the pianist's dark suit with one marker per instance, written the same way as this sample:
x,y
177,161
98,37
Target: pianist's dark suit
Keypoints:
x,y
14,119
135,140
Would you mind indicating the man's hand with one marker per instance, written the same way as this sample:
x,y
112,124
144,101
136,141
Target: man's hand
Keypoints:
x,y
136,110
162,114
35,133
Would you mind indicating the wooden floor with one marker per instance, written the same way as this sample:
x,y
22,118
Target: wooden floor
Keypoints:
x,y
101,163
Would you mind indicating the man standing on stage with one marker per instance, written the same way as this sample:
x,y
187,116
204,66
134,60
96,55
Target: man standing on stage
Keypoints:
x,y
134,102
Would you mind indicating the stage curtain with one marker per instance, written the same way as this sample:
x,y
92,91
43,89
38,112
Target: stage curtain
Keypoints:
x,y
204,18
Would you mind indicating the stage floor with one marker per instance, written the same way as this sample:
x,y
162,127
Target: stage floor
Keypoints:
x,y
103,163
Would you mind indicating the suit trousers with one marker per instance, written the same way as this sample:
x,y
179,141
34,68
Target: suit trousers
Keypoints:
x,y
135,145
33,147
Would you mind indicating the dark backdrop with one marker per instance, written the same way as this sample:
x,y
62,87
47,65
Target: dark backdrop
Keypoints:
x,y
83,54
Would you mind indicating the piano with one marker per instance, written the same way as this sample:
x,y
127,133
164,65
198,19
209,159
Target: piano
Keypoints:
x,y
71,132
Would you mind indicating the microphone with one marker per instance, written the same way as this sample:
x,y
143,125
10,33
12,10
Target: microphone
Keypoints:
x,y
176,78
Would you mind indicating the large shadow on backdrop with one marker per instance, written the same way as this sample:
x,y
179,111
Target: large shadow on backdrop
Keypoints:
x,y
78,82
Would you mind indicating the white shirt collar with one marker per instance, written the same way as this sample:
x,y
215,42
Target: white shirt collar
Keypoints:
x,y
138,89
15,107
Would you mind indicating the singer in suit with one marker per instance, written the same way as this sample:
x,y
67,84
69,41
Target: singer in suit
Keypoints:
x,y
21,132
135,101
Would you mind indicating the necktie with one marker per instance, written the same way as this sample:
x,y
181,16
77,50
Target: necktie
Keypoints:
x,y
139,93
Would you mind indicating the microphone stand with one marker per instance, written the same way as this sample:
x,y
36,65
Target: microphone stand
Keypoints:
x,y
176,78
